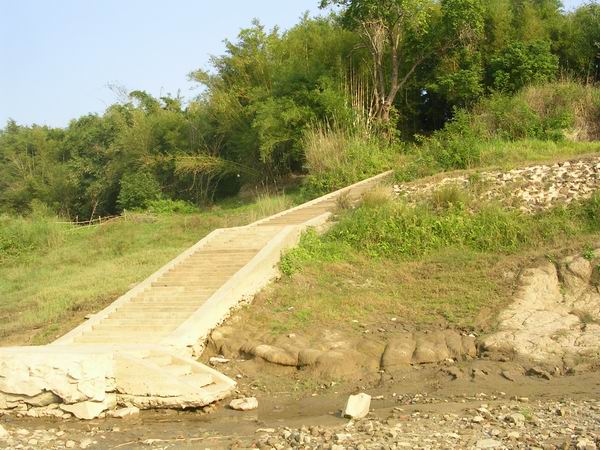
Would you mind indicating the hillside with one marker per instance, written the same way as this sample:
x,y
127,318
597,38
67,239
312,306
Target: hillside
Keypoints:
x,y
458,285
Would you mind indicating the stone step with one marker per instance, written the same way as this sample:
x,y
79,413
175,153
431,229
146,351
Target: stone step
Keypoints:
x,y
202,267
197,276
142,321
184,297
223,252
152,293
191,298
210,284
167,302
166,289
188,306
108,327
118,339
147,314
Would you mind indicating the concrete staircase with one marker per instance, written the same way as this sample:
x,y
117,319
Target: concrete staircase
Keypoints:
x,y
147,337
157,311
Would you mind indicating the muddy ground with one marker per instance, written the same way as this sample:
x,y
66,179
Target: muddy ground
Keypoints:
x,y
434,403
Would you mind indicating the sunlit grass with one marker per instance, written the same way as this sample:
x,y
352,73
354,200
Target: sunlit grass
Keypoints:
x,y
52,275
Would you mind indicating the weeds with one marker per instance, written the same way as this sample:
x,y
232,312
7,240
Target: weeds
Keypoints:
x,y
449,196
589,253
541,122
336,158
396,230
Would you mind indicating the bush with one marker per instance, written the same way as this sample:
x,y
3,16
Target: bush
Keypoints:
x,y
20,235
550,112
592,208
457,146
137,190
168,206
520,64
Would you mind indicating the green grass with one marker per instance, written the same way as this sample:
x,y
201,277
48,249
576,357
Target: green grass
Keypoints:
x,y
424,265
452,286
52,275
510,154
394,229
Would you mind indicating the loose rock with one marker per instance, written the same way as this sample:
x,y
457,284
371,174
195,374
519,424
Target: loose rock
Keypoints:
x,y
357,406
244,404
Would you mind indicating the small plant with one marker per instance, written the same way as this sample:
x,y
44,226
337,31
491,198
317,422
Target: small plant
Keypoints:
x,y
589,253
336,157
168,206
343,202
449,196
527,414
376,197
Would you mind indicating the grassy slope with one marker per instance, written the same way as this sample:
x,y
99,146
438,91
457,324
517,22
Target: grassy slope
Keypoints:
x,y
425,266
66,272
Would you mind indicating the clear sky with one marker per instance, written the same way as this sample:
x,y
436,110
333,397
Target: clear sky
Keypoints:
x,y
58,56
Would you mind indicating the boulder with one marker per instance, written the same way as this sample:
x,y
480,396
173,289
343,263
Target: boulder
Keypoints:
x,y
275,355
399,351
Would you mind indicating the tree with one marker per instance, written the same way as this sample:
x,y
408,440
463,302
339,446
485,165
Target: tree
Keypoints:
x,y
401,35
390,29
579,46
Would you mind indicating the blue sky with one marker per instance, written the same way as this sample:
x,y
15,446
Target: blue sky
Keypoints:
x,y
59,55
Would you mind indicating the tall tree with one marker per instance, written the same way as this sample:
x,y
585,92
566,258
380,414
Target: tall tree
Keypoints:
x,y
390,29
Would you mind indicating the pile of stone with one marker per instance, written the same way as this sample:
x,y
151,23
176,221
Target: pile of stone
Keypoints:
x,y
530,189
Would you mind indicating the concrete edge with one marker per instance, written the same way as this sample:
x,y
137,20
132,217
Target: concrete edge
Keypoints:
x,y
333,194
68,339
241,287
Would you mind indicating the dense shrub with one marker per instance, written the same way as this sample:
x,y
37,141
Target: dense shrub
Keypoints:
x,y
19,235
551,112
137,190
521,64
168,206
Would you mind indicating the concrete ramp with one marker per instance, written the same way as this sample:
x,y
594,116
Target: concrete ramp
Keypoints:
x,y
138,350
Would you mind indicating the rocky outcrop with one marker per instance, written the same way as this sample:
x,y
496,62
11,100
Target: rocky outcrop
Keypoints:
x,y
46,384
555,317
65,381
427,347
335,355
